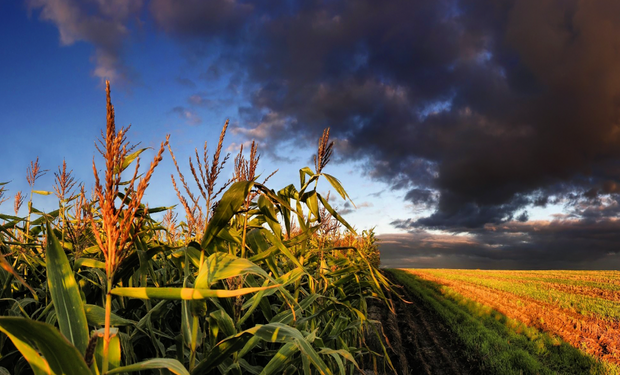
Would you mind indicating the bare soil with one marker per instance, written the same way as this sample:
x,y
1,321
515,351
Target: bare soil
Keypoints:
x,y
418,341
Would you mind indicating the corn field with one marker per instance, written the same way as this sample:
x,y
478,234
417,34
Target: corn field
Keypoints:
x,y
251,280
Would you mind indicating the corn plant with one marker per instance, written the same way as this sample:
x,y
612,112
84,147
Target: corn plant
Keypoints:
x,y
249,282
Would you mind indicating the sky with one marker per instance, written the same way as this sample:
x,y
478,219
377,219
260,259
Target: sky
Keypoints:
x,y
469,134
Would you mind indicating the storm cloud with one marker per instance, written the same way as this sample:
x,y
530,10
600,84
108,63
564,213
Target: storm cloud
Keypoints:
x,y
492,106
556,244
477,110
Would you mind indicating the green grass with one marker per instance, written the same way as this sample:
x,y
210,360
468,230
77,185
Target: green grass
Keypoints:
x,y
501,345
607,280
582,304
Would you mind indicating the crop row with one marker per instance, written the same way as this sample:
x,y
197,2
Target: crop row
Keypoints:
x,y
608,280
585,303
499,343
591,333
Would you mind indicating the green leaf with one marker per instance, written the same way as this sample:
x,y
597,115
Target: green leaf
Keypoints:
x,y
8,268
114,349
65,294
12,218
276,198
340,353
313,204
159,209
193,254
190,324
283,249
222,350
57,356
268,210
45,217
283,356
129,159
336,184
277,332
184,293
284,280
153,314
220,266
302,175
88,262
335,214
172,365
42,192
230,203
225,322
95,315
38,364
129,265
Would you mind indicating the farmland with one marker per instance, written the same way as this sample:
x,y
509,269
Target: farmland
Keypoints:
x,y
250,280
542,316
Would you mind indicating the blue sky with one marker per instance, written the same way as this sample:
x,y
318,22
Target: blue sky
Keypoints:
x,y
466,136
53,107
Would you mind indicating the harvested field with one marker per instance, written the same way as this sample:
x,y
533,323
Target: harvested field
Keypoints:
x,y
577,306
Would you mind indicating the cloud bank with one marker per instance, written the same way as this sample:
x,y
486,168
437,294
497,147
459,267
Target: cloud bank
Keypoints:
x,y
477,110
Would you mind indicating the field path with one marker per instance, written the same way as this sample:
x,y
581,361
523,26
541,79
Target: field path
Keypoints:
x,y
419,338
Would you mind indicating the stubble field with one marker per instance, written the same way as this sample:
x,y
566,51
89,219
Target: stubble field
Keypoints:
x,y
547,321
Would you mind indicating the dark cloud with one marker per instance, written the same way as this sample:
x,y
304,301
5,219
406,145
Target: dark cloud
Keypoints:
x,y
196,18
477,109
559,244
422,199
348,208
485,102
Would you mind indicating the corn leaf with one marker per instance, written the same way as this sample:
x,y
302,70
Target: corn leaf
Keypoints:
x,y
114,349
95,315
336,184
184,293
341,353
281,358
58,356
38,364
129,159
223,350
220,266
42,192
230,203
129,265
277,332
225,322
88,262
335,214
269,212
65,294
172,365
8,268
283,249
313,204
302,174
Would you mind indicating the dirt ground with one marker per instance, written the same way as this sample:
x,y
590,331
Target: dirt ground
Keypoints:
x,y
419,343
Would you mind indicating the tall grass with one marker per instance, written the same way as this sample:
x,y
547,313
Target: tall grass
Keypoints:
x,y
250,280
